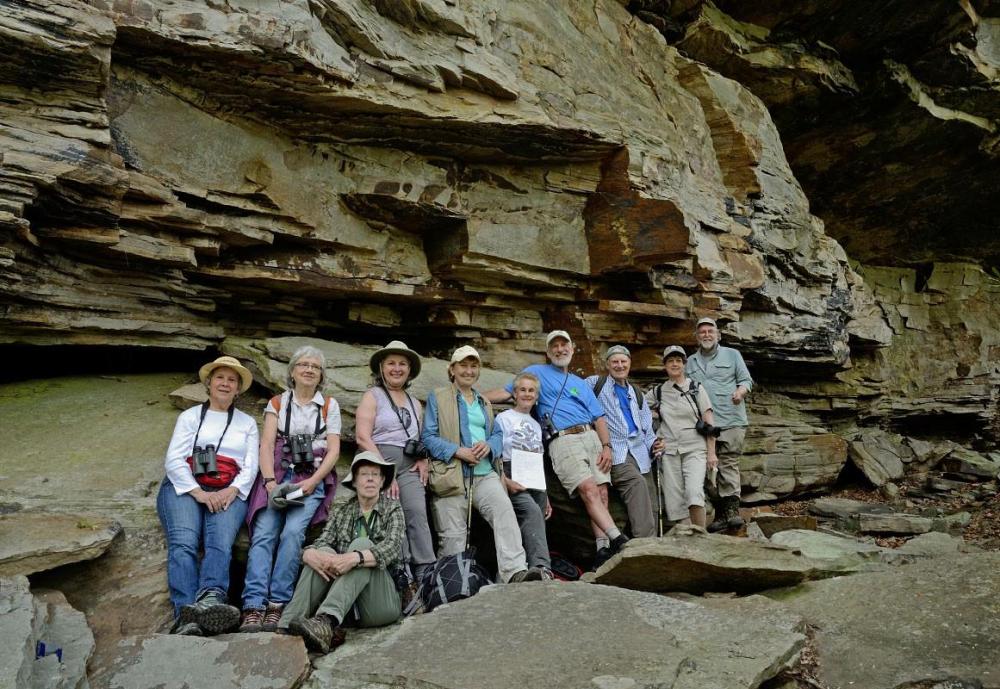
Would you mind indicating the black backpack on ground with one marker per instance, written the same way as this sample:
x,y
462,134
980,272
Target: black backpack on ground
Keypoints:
x,y
452,578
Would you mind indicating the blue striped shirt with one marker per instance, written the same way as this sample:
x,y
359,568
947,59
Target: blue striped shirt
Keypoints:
x,y
622,442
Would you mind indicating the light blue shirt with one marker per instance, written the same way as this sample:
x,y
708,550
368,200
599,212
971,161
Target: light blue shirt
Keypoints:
x,y
577,404
623,441
444,450
721,374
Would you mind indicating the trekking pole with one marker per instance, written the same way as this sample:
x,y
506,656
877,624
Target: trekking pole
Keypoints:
x,y
468,514
657,461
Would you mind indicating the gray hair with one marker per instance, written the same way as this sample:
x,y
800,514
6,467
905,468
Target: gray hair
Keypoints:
x,y
301,353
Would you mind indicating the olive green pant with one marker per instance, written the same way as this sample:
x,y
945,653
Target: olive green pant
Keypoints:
x,y
371,588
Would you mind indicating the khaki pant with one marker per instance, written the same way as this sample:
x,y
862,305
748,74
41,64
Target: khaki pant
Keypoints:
x,y
490,499
729,449
639,495
683,480
371,588
574,459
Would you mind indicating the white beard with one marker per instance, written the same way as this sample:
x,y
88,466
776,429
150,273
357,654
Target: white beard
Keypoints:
x,y
562,361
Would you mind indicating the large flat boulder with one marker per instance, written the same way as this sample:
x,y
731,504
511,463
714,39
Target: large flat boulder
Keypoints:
x,y
231,661
879,455
690,561
838,552
347,374
928,621
34,540
567,636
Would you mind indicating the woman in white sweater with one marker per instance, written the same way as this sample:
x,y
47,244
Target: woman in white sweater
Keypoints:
x,y
211,465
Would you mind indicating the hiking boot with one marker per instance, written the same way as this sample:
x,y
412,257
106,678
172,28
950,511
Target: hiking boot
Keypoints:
x,y
186,629
733,518
534,574
251,621
271,617
721,521
212,614
518,577
319,634
602,556
617,544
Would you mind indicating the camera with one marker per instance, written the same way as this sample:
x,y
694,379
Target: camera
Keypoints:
x,y
204,461
707,429
548,430
415,448
299,447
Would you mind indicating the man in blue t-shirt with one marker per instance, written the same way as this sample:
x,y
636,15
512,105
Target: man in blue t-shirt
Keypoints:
x,y
579,446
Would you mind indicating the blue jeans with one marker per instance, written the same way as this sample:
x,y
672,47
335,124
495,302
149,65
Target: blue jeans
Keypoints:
x,y
188,524
284,530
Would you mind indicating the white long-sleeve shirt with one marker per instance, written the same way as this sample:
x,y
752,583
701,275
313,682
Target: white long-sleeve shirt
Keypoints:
x,y
241,443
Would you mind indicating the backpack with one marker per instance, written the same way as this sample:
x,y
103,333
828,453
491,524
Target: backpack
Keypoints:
x,y
452,578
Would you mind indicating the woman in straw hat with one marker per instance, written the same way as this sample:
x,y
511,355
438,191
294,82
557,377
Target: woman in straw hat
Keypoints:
x,y
388,424
211,465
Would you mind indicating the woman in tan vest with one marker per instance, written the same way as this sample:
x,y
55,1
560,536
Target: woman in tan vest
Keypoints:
x,y
457,427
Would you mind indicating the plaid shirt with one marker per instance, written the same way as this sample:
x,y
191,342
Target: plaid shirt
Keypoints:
x,y
387,532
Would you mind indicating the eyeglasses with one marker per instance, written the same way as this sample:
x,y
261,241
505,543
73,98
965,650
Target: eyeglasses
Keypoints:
x,y
305,364
369,474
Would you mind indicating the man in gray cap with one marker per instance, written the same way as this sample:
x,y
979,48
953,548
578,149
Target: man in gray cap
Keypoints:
x,y
725,376
630,425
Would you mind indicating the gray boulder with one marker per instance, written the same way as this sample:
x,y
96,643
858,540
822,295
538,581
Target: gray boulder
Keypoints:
x,y
46,642
929,621
231,661
970,464
894,523
837,552
879,455
687,560
567,636
838,508
347,373
935,544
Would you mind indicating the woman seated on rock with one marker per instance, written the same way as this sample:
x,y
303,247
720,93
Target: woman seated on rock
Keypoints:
x,y
299,448
680,403
211,464
347,563
457,424
388,425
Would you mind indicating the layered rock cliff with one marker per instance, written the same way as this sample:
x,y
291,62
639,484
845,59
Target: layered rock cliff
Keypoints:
x,y
177,173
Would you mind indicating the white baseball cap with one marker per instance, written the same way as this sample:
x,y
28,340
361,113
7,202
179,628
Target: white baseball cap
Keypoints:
x,y
558,333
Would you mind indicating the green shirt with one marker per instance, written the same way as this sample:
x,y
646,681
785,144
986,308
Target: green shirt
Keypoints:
x,y
477,432
386,532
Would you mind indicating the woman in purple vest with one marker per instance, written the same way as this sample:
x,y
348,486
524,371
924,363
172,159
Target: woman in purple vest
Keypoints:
x,y
388,424
301,441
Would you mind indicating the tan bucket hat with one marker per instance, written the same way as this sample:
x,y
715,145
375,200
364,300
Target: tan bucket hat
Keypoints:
x,y
368,457
395,347
246,378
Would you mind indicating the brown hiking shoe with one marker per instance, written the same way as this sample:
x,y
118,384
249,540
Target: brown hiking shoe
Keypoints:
x,y
271,617
251,621
319,635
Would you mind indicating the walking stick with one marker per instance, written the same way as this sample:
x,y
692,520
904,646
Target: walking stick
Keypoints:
x,y
468,513
657,460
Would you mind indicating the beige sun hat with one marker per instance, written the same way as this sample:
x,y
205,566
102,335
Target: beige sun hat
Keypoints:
x,y
246,378
369,457
395,347
463,353
674,350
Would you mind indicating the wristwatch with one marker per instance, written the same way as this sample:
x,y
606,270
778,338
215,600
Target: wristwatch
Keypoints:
x,y
607,445
269,479
361,557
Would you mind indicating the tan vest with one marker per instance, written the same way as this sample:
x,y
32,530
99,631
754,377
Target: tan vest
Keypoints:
x,y
448,428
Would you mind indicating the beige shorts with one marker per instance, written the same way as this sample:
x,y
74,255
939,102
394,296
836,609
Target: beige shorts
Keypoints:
x,y
574,459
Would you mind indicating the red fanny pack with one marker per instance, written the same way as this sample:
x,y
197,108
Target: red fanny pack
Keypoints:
x,y
227,469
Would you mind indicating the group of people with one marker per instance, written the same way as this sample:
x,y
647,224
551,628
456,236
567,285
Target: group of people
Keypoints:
x,y
378,543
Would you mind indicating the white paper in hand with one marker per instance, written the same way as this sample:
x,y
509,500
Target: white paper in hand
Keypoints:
x,y
527,469
295,494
